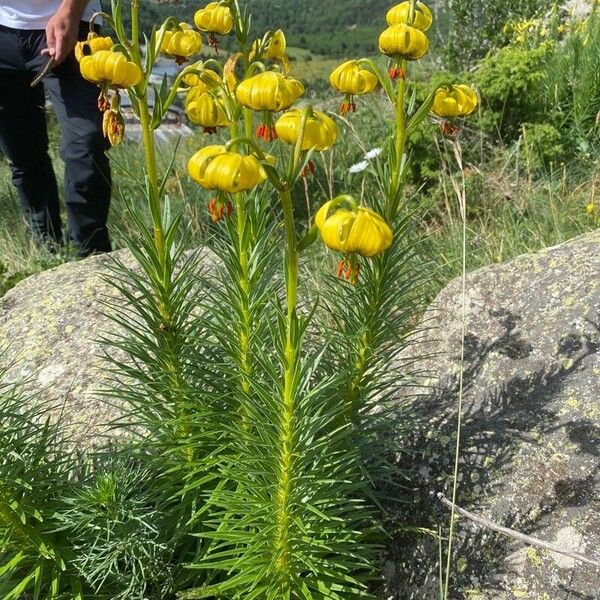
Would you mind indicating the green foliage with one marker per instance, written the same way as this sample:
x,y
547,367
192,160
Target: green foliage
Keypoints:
x,y
120,533
475,31
542,145
511,82
546,93
572,87
36,556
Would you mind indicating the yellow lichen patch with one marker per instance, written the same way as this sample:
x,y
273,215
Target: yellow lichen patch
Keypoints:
x,y
534,556
572,402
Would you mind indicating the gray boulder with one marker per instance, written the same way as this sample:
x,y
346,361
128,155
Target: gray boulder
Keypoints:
x,y
50,327
530,436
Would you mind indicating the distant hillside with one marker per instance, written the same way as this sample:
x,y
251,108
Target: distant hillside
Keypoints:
x,y
327,27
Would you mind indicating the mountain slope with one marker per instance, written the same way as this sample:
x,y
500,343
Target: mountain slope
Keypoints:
x,y
328,27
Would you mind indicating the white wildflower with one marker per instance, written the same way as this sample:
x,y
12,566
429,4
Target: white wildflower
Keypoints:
x,y
371,154
359,167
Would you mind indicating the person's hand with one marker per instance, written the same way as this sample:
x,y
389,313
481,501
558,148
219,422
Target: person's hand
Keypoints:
x,y
62,32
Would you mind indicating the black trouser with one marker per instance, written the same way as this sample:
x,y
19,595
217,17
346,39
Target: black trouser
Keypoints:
x,y
24,140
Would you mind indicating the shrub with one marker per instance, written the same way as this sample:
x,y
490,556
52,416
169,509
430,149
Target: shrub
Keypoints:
x,y
475,33
542,145
511,82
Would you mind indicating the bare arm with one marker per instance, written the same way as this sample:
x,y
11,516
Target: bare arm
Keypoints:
x,y
62,29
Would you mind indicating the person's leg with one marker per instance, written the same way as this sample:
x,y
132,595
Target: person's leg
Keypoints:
x,y
24,140
83,149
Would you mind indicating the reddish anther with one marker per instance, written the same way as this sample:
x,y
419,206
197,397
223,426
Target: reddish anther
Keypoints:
x,y
449,129
213,42
309,169
219,210
396,73
347,107
348,270
266,133
103,102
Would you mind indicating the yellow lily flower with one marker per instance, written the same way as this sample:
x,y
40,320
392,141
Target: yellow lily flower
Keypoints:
x,y
205,110
277,46
361,231
400,13
352,79
93,44
181,43
403,42
454,101
109,68
320,132
269,91
207,80
216,168
214,18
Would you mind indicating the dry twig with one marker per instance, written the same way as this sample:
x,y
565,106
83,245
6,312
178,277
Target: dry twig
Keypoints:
x,y
526,539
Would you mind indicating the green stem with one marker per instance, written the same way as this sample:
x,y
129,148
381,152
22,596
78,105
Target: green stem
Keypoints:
x,y
245,292
399,145
364,350
152,175
135,32
244,286
147,138
292,253
248,123
168,335
291,353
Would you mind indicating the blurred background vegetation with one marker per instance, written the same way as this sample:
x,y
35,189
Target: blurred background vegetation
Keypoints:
x,y
532,153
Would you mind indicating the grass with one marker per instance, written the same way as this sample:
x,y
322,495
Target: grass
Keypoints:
x,y
510,214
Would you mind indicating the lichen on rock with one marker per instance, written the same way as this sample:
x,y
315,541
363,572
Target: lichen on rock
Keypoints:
x,y
531,429
51,325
